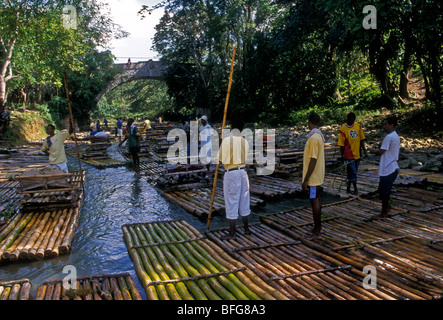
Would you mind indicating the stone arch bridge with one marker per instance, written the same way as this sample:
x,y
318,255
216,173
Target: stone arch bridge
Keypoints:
x,y
139,70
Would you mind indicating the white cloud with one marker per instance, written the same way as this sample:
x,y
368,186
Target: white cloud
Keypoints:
x,y
138,44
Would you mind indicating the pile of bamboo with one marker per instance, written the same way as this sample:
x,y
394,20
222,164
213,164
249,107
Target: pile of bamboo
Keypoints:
x,y
104,287
405,246
174,262
38,235
97,149
197,201
47,198
289,162
15,290
271,188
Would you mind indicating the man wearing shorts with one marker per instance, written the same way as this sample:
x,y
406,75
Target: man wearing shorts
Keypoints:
x,y
388,169
314,171
233,153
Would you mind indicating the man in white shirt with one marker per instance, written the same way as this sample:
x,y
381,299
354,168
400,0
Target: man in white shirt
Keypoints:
x,y
388,169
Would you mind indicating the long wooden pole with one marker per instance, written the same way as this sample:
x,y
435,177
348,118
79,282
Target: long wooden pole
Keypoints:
x,y
73,128
214,186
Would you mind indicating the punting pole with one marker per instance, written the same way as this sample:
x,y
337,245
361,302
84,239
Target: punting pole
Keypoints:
x,y
214,186
73,128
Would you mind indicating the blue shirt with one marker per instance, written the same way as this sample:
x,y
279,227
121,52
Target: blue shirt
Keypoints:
x,y
119,124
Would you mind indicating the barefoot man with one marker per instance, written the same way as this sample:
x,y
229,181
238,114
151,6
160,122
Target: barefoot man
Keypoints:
x,y
388,170
314,171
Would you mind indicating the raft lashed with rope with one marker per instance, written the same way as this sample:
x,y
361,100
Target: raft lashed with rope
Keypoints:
x,y
405,247
103,287
196,201
15,290
174,262
40,234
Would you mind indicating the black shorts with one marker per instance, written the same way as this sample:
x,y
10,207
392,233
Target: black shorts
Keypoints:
x,y
385,185
134,150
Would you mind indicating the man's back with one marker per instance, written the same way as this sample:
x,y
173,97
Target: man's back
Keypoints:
x,y
315,148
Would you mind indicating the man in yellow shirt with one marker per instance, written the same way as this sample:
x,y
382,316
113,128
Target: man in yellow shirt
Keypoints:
x,y
54,146
233,153
314,171
351,139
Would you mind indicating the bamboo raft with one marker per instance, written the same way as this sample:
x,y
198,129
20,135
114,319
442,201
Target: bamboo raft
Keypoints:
x,y
406,197
174,262
406,246
271,188
95,162
45,232
15,290
38,235
103,287
197,201
294,269
9,198
367,182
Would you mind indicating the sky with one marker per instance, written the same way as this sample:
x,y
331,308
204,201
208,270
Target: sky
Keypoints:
x,y
137,45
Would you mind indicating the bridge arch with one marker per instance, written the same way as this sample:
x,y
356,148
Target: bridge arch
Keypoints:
x,y
139,70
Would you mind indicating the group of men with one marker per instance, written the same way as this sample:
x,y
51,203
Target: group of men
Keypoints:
x,y
351,141
233,152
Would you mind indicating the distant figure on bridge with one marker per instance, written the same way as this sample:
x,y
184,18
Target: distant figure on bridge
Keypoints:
x,y
106,123
98,125
129,63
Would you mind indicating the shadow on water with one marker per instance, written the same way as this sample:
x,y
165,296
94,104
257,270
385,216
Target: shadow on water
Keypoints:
x,y
114,197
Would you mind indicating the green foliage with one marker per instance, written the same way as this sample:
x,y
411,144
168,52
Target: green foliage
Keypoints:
x,y
293,55
139,99
84,86
58,108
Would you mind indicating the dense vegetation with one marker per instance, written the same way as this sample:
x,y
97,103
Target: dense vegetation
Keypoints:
x,y
292,57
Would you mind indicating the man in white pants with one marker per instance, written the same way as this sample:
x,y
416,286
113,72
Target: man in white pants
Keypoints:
x,y
233,153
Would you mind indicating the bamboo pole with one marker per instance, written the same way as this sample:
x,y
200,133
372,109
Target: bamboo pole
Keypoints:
x,y
73,128
214,186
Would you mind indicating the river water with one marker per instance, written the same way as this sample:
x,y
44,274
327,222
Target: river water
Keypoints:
x,y
114,197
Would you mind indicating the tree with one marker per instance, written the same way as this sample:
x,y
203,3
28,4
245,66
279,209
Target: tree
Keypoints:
x,y
37,47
